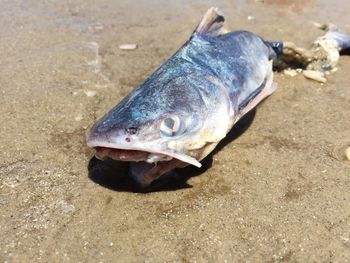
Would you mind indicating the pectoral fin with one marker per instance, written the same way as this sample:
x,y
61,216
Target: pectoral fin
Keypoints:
x,y
266,89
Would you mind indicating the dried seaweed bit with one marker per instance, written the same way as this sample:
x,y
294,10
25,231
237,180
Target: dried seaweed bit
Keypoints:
x,y
127,46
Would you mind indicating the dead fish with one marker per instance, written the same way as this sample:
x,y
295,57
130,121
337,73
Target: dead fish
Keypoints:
x,y
189,104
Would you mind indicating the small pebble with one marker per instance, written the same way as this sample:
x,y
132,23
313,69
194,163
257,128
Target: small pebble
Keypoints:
x,y
79,117
290,72
318,25
128,46
98,27
327,66
251,17
90,93
347,153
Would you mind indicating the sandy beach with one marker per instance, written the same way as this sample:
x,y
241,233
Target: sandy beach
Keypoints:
x,y
277,189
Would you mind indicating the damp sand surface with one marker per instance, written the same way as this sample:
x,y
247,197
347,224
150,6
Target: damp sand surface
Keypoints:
x,y
277,190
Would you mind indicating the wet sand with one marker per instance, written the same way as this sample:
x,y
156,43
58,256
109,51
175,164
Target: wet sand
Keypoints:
x,y
277,190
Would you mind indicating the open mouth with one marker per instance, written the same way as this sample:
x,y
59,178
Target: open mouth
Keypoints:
x,y
136,156
145,165
132,153
121,155
141,167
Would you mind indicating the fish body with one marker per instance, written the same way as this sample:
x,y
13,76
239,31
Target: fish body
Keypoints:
x,y
183,110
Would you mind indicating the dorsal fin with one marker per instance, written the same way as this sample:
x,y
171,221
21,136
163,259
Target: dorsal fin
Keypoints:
x,y
212,23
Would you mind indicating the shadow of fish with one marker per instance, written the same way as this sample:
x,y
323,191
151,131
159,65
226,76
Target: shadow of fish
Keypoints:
x,y
189,104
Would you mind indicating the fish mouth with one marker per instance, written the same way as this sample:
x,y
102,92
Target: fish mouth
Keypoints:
x,y
134,153
145,166
121,155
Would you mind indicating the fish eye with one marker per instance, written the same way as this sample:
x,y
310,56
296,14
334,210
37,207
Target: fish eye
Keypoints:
x,y
170,125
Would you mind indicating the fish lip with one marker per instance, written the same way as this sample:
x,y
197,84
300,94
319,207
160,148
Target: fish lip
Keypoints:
x,y
177,155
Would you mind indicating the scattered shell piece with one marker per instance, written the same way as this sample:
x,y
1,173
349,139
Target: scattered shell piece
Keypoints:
x,y
290,72
299,70
251,17
90,93
318,25
128,46
347,153
315,75
98,27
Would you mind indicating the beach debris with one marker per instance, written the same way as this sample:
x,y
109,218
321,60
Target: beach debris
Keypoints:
x,y
347,153
127,46
98,27
315,75
318,61
90,93
290,72
79,117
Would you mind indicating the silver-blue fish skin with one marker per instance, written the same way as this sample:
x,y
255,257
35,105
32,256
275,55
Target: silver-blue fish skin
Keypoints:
x,y
183,84
207,85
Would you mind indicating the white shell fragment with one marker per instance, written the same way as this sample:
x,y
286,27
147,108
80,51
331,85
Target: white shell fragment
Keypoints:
x,y
90,93
290,72
347,153
315,75
127,46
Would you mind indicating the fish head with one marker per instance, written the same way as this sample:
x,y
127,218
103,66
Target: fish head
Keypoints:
x,y
151,128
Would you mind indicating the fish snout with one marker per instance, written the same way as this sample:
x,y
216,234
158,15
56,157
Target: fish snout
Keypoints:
x,y
100,137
